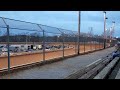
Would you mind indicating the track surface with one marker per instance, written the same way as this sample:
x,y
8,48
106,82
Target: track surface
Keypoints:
x,y
59,70
37,57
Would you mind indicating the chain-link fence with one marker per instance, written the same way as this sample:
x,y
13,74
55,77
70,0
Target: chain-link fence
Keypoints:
x,y
23,43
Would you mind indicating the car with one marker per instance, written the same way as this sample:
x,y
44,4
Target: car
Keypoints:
x,y
3,49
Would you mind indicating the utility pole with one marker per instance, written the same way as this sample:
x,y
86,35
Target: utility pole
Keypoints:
x,y
79,18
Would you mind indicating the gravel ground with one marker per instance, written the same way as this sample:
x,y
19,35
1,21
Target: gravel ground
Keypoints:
x,y
59,70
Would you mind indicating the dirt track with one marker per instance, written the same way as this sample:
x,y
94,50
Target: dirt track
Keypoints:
x,y
37,57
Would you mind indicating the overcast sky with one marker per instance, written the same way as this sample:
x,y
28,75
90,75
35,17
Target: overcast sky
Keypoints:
x,y
68,19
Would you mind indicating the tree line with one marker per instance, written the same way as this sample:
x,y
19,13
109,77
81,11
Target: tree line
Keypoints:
x,y
47,38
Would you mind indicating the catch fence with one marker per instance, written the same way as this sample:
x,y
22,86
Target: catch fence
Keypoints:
x,y
23,43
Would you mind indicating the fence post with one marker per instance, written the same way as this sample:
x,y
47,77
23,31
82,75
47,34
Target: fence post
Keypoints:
x,y
99,42
76,44
91,44
63,45
8,48
95,42
84,44
43,45
75,47
106,43
103,43
43,42
79,18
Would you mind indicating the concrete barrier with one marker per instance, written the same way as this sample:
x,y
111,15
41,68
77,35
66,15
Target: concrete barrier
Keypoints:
x,y
90,74
90,70
77,74
103,74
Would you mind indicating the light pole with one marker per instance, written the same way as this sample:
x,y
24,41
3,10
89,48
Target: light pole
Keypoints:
x,y
105,29
79,18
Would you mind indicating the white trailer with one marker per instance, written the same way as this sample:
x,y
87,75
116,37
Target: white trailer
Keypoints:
x,y
34,47
39,46
24,47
